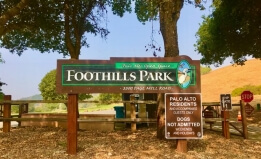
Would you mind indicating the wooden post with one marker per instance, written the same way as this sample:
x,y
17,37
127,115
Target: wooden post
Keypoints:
x,y
225,124
26,108
182,145
7,114
243,116
1,110
72,124
133,113
20,113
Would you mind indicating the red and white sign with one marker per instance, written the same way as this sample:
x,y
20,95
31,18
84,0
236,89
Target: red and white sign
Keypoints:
x,y
247,96
249,109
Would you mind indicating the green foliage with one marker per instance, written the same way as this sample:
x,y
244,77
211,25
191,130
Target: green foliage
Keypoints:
x,y
54,25
147,10
256,90
1,59
47,88
49,108
232,30
204,70
15,109
1,95
106,98
31,107
119,7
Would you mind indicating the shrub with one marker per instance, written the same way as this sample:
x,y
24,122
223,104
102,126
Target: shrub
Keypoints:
x,y
256,90
204,70
106,98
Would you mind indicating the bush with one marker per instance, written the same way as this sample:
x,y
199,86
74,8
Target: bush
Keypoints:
x,y
47,87
256,90
204,70
2,96
106,98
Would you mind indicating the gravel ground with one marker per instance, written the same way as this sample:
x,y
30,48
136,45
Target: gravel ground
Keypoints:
x,y
50,143
46,142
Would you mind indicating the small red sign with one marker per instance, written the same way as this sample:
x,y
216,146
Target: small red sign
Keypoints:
x,y
247,96
249,109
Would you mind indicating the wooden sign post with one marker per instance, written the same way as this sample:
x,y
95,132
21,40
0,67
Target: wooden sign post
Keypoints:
x,y
7,114
72,123
243,116
225,124
226,106
133,113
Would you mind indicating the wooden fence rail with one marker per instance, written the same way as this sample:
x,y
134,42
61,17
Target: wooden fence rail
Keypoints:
x,y
17,102
127,120
136,120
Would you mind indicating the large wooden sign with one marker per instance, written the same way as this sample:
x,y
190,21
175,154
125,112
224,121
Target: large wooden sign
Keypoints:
x,y
183,116
128,75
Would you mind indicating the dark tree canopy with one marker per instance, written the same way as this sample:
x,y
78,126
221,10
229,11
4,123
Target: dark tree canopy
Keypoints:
x,y
232,30
54,25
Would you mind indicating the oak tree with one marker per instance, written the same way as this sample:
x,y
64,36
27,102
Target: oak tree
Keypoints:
x,y
55,25
168,13
232,30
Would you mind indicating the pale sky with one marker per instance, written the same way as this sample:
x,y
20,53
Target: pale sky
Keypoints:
x,y
127,38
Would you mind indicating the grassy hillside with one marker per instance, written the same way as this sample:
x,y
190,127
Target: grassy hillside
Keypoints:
x,y
34,97
225,79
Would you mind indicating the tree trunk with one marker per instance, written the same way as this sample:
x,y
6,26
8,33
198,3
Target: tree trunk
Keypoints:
x,y
169,14
161,117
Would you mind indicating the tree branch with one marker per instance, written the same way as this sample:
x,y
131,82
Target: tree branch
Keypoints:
x,y
68,41
10,13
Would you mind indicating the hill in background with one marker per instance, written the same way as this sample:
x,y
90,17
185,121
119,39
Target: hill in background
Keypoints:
x,y
34,97
224,80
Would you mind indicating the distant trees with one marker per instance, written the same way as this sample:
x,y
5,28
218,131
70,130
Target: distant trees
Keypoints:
x,y
47,87
106,98
232,30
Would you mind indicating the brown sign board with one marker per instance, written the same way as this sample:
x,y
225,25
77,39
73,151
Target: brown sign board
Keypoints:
x,y
129,75
249,109
225,102
183,116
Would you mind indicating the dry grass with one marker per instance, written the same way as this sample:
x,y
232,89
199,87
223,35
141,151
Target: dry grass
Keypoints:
x,y
226,79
